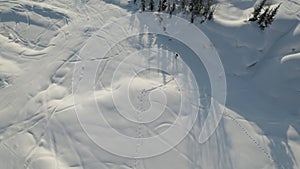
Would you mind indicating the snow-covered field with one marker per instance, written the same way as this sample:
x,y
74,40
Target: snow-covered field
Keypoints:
x,y
88,84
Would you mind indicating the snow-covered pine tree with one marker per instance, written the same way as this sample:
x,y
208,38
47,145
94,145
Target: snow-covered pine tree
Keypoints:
x,y
168,6
257,11
262,18
271,14
164,5
211,13
267,20
201,8
172,8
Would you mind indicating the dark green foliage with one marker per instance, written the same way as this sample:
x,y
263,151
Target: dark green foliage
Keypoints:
x,y
264,16
151,5
160,6
257,10
164,5
192,18
168,7
172,9
211,13
202,8
197,8
271,15
143,5
268,18
262,19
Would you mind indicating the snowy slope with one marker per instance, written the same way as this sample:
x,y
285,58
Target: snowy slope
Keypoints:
x,y
46,59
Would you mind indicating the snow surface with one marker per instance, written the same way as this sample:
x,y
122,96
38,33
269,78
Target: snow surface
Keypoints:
x,y
44,58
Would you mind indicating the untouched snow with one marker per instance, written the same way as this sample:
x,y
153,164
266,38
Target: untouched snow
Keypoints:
x,y
45,62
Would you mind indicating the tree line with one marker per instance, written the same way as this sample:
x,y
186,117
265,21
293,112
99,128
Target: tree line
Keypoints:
x,y
196,8
263,14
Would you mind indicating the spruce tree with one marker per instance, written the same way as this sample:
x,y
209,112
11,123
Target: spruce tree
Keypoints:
x,y
151,4
173,8
143,5
272,13
191,7
257,10
168,6
196,8
183,4
211,14
164,5
192,18
160,6
262,18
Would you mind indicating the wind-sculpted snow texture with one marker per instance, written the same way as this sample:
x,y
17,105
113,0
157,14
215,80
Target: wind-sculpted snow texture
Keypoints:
x,y
97,84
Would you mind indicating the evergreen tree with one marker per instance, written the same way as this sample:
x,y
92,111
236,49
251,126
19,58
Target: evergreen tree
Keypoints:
x,y
211,14
257,10
173,8
206,10
271,14
168,6
164,5
192,18
160,6
267,17
143,5
183,4
262,18
267,21
151,4
197,8
191,7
